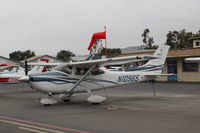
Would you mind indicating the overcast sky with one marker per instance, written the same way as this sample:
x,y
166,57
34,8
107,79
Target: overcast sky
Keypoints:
x,y
47,26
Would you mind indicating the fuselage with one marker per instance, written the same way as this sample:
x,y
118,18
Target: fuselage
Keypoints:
x,y
57,82
91,75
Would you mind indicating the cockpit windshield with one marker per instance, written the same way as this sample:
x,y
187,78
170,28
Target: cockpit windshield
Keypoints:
x,y
68,70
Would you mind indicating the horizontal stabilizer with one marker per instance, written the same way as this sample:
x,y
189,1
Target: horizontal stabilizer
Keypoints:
x,y
170,74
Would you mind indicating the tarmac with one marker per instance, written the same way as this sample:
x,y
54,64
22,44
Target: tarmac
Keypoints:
x,y
133,108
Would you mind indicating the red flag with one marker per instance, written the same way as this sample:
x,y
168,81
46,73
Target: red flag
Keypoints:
x,y
99,35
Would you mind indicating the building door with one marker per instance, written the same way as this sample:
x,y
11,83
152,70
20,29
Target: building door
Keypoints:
x,y
172,68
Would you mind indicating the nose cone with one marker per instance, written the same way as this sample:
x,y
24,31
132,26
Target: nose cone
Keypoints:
x,y
24,78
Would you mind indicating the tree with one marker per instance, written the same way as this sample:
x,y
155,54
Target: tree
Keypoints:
x,y
172,39
146,39
197,34
180,39
150,42
145,35
65,55
183,40
20,55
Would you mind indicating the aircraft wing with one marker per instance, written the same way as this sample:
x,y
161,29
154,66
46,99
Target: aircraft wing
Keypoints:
x,y
45,64
107,61
98,62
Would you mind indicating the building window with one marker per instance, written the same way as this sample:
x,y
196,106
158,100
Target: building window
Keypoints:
x,y
197,43
190,67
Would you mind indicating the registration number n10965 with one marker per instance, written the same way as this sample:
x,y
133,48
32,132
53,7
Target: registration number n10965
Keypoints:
x,y
128,78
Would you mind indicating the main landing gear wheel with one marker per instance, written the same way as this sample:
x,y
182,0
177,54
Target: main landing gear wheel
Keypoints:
x,y
47,101
95,99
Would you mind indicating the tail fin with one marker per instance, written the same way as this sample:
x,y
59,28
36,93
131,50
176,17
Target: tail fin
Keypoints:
x,y
161,54
156,65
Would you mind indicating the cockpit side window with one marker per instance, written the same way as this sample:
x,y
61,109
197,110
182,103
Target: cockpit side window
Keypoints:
x,y
81,71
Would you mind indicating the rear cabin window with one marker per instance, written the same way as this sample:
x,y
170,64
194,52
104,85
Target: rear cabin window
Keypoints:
x,y
83,71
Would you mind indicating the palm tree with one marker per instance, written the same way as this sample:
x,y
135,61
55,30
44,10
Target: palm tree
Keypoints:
x,y
145,35
150,42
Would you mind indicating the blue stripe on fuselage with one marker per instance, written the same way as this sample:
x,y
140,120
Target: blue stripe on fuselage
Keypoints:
x,y
42,79
50,74
144,68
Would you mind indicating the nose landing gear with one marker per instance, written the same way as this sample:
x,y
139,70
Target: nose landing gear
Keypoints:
x,y
48,101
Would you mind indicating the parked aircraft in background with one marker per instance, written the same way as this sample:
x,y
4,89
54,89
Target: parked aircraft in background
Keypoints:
x,y
11,77
192,60
8,67
88,76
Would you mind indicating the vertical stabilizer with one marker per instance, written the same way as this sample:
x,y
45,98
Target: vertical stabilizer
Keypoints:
x,y
161,54
156,65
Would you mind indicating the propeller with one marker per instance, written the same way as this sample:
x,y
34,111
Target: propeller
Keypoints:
x,y
26,67
26,77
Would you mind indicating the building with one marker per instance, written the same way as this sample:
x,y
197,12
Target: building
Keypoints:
x,y
196,42
133,49
4,60
51,59
48,58
79,58
185,72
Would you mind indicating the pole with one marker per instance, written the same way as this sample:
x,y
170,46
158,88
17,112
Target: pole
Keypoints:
x,y
105,43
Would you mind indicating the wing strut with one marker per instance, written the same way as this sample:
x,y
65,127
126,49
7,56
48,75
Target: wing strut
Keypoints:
x,y
72,89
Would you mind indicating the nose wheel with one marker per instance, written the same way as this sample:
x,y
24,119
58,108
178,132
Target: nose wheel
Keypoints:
x,y
48,101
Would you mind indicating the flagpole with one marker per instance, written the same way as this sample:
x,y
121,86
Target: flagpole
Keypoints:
x,y
105,42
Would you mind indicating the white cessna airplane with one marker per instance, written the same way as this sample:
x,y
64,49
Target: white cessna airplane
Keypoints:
x,y
88,76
